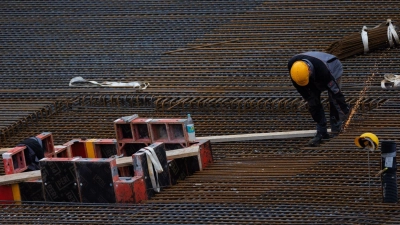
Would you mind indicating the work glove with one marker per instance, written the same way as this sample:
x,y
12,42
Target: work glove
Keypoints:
x,y
337,125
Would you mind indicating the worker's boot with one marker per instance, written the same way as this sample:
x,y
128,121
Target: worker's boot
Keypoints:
x,y
318,138
336,127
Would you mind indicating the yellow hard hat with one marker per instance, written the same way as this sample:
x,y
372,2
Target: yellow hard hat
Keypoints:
x,y
300,73
368,141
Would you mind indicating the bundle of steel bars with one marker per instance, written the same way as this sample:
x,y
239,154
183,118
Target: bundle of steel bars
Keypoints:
x,y
353,44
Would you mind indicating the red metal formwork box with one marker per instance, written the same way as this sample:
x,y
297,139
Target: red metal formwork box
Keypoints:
x,y
77,148
6,194
96,177
177,171
94,148
205,152
14,160
123,128
196,163
191,164
62,151
169,131
99,182
130,189
131,134
99,148
141,130
31,190
48,144
59,179
142,168
186,166
105,148
89,180
128,149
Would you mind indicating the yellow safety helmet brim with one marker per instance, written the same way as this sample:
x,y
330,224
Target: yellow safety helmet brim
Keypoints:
x,y
300,73
368,141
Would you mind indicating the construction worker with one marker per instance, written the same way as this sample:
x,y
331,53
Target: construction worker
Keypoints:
x,y
311,74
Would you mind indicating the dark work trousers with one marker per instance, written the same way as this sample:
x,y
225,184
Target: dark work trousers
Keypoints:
x,y
338,107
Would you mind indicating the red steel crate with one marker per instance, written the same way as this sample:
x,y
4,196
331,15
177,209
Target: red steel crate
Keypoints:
x,y
141,130
169,131
62,151
77,148
48,143
105,148
130,189
123,128
14,160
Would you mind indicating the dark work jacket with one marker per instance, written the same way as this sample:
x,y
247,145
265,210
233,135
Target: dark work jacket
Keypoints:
x,y
34,152
326,70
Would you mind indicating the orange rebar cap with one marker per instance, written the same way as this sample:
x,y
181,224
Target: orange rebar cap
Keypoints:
x,y
300,73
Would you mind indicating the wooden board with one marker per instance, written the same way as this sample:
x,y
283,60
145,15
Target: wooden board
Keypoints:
x,y
4,150
183,152
19,177
260,136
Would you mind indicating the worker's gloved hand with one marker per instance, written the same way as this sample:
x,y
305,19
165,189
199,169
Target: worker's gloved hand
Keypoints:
x,y
337,125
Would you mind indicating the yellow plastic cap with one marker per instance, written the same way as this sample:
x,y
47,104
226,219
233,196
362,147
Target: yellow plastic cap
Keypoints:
x,y
368,141
300,73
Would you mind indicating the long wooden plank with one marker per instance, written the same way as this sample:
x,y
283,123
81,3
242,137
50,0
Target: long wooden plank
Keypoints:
x,y
4,150
186,152
260,136
20,177
124,161
183,152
